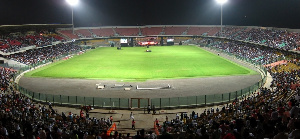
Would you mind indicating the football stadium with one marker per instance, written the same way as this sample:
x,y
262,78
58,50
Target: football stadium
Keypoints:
x,y
148,81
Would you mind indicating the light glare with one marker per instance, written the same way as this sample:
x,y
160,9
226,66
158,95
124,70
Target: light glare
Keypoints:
x,y
221,1
72,2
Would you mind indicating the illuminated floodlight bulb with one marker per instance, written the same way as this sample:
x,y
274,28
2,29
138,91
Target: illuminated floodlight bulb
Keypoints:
x,y
221,1
72,2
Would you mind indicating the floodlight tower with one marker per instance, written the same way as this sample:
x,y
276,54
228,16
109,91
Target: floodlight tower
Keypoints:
x,y
72,3
221,2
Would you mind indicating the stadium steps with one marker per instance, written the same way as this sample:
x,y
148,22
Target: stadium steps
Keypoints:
x,y
140,32
236,34
163,31
115,33
186,31
63,35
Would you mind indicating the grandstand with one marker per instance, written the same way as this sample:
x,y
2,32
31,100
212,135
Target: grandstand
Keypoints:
x,y
103,32
174,30
272,37
198,30
68,34
151,30
282,39
260,108
84,33
127,31
213,31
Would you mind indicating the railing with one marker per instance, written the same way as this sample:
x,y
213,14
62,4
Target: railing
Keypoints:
x,y
77,100
204,100
159,103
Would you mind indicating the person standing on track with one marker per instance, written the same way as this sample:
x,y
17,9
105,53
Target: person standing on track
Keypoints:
x,y
131,116
133,124
149,109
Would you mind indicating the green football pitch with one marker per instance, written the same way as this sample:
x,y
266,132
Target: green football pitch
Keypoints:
x,y
134,64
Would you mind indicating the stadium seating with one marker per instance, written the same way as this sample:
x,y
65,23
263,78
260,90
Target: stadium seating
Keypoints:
x,y
174,30
103,32
127,31
151,31
69,34
34,56
241,35
14,44
84,33
213,31
272,37
198,31
230,31
57,37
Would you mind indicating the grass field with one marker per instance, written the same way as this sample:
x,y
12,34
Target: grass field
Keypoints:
x,y
134,64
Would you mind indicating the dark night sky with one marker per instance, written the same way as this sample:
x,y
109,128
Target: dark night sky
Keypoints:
x,y
270,13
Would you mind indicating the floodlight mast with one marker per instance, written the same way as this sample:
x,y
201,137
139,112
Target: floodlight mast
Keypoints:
x,y
72,3
221,2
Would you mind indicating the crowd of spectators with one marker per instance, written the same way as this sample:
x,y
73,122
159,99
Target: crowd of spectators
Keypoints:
x,y
11,44
274,38
8,45
259,55
22,118
34,56
267,113
7,75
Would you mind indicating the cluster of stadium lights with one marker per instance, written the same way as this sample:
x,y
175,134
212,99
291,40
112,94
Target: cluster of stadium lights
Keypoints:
x,y
75,2
72,3
221,2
